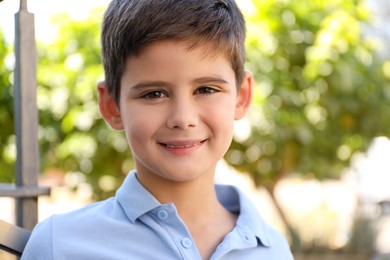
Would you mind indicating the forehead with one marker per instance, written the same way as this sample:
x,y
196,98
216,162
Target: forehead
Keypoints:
x,y
176,61
169,49
206,49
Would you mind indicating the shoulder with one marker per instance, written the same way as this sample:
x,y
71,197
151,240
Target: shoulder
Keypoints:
x,y
269,239
67,227
39,245
85,219
279,245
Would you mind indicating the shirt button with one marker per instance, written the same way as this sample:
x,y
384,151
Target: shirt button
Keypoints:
x,y
186,242
162,214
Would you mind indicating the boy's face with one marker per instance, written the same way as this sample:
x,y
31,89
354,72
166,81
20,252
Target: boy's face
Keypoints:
x,y
177,108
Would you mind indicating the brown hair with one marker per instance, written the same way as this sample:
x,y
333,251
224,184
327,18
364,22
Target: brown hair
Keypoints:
x,y
130,25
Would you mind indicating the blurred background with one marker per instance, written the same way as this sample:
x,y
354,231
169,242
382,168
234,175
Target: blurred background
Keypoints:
x,y
313,153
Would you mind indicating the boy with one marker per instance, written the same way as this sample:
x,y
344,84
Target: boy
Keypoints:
x,y
175,83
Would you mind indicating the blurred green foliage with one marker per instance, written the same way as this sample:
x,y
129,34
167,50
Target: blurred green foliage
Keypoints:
x,y
72,136
7,140
322,92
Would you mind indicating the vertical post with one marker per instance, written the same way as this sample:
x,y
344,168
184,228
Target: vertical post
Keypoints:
x,y
26,116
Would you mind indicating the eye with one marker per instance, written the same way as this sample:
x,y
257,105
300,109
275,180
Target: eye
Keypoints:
x,y
205,90
155,94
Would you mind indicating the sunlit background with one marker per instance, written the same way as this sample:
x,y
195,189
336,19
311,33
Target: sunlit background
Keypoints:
x,y
313,153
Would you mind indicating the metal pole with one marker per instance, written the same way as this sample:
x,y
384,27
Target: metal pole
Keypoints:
x,y
26,116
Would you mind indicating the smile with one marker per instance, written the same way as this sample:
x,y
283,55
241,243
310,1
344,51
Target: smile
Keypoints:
x,y
182,145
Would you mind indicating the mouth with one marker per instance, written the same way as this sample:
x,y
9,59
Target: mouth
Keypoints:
x,y
182,144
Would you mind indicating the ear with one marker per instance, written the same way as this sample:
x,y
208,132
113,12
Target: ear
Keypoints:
x,y
108,107
244,96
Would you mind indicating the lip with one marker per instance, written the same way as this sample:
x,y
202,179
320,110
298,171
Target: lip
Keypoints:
x,y
182,147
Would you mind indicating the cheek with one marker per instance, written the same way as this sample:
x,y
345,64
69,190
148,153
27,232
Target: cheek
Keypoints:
x,y
225,109
221,117
137,126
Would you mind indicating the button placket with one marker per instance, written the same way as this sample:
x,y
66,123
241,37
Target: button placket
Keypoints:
x,y
167,217
186,242
162,214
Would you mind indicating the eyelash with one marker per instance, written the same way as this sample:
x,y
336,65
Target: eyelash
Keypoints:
x,y
155,94
205,90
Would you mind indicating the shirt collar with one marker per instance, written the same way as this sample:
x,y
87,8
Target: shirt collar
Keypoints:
x,y
137,201
249,219
134,198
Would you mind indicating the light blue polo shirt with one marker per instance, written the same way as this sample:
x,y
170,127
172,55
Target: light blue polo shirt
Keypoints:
x,y
134,225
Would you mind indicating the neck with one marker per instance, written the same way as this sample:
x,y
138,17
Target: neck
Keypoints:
x,y
197,205
193,199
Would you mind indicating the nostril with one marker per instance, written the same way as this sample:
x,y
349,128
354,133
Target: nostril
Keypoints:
x,y
182,118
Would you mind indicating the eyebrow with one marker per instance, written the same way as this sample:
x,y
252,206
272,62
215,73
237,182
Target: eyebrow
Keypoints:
x,y
149,84
158,83
210,79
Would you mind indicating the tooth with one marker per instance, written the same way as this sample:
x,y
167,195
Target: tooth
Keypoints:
x,y
181,146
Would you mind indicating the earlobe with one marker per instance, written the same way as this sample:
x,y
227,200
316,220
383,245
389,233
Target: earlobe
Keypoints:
x,y
108,107
244,96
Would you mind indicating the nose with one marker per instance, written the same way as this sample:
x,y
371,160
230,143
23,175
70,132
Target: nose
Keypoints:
x,y
182,115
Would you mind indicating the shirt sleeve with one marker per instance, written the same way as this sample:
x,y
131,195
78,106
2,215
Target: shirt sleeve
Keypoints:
x,y
40,244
